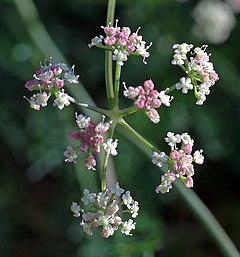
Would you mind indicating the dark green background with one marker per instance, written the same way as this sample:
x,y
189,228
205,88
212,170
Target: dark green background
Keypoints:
x,y
37,187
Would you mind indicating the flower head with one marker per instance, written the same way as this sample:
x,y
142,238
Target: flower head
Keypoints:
x,y
105,209
49,80
121,42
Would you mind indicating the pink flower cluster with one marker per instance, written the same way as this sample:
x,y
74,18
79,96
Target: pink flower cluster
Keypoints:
x,y
179,162
200,71
105,210
50,80
148,99
91,141
121,42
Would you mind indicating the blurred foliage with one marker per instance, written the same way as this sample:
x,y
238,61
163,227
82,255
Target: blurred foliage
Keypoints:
x,y
36,187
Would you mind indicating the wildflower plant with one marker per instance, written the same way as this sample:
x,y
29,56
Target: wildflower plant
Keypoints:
x,y
113,208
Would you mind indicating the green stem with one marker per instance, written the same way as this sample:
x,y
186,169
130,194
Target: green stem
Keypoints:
x,y
108,58
208,220
137,135
105,162
89,107
116,85
128,111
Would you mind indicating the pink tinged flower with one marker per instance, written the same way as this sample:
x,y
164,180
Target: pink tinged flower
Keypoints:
x,y
175,155
198,157
159,158
90,162
187,148
110,40
75,208
102,127
153,116
82,121
130,92
184,84
188,182
30,84
120,56
148,85
156,103
61,100
58,82
139,103
57,70
74,135
116,189
71,154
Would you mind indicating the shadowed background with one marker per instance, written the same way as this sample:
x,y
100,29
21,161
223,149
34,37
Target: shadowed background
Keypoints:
x,y
37,187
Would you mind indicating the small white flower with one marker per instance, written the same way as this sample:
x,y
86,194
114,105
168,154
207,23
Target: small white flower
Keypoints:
x,y
184,84
183,48
96,41
186,139
116,189
134,209
159,158
172,139
110,146
71,154
127,227
198,157
178,59
82,121
120,56
127,199
88,197
75,208
71,77
61,100
165,99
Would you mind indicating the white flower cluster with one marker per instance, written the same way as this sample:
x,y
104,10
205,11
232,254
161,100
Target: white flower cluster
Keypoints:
x,y
200,71
105,210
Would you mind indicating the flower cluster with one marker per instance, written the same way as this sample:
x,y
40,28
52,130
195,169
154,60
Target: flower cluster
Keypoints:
x,y
179,162
200,71
50,80
148,99
105,210
91,141
121,42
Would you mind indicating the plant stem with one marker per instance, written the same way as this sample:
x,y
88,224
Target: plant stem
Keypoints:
x,y
105,162
108,58
116,86
208,220
88,106
128,111
138,136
